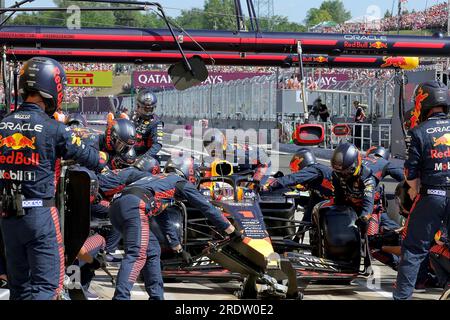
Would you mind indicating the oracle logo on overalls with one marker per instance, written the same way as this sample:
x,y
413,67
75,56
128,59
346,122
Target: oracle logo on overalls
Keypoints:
x,y
59,85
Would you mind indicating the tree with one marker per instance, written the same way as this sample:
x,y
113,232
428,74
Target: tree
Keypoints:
x,y
191,19
219,15
282,24
315,16
388,14
337,10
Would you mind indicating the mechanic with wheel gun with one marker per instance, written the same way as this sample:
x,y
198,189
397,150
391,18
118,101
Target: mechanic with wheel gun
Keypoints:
x,y
426,171
354,183
130,211
307,172
149,127
31,146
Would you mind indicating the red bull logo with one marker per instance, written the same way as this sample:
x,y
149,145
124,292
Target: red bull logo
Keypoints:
x,y
396,62
379,45
441,141
415,114
19,158
320,59
18,141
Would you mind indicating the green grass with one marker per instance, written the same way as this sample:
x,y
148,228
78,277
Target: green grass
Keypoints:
x,y
118,82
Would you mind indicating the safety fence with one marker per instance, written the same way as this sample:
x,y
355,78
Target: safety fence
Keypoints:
x,y
256,99
363,135
246,99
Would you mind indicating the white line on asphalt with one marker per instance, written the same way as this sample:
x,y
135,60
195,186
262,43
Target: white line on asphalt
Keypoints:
x,y
382,293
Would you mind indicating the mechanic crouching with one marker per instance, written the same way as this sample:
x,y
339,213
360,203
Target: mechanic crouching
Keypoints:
x,y
312,175
427,173
354,184
31,144
130,211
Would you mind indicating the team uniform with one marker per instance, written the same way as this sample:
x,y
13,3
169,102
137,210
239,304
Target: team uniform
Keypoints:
x,y
130,212
31,146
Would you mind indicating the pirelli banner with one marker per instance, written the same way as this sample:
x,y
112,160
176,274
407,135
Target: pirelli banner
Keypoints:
x,y
89,78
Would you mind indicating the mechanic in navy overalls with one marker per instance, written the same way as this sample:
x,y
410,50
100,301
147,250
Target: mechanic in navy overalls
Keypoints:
x,y
114,181
377,160
380,225
150,196
427,172
30,145
312,175
118,138
354,183
149,127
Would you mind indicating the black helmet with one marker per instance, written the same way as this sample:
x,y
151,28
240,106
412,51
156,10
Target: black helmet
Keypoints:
x,y
46,77
77,120
184,166
301,159
214,141
147,164
403,199
124,159
379,152
428,95
121,135
146,103
346,160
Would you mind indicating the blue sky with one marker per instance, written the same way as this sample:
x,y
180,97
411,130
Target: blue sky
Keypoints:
x,y
295,10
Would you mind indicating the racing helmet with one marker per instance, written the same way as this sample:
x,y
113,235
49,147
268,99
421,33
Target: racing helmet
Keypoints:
x,y
124,159
147,164
44,76
146,103
184,166
346,160
403,199
302,159
76,120
121,135
428,95
215,142
379,152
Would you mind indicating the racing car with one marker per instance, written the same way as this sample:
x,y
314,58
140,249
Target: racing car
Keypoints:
x,y
270,262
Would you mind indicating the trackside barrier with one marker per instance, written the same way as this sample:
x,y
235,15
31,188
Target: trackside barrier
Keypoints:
x,y
384,135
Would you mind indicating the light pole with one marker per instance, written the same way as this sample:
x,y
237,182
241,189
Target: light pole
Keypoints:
x,y
2,6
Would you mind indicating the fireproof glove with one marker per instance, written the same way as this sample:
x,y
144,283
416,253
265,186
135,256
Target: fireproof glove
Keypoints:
x,y
185,256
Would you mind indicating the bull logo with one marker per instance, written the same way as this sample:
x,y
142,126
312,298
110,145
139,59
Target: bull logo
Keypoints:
x,y
320,59
397,62
442,141
379,45
415,114
18,141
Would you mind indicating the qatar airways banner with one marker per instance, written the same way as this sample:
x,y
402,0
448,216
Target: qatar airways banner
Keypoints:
x,y
160,79
326,80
